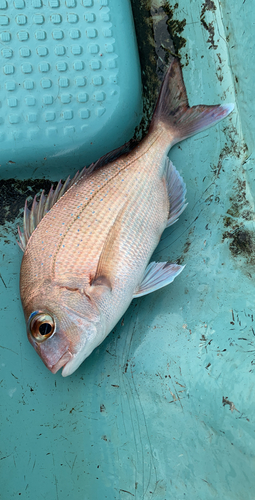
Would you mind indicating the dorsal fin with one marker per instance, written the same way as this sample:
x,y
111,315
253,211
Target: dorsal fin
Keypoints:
x,y
40,208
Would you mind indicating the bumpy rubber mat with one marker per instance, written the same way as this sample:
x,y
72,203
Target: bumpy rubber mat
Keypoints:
x,y
60,76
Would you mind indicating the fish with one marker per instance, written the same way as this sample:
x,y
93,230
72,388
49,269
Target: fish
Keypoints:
x,y
88,243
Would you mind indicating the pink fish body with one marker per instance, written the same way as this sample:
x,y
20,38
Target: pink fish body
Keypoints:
x,y
87,245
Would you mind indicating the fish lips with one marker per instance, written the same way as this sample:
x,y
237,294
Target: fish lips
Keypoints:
x,y
62,362
54,352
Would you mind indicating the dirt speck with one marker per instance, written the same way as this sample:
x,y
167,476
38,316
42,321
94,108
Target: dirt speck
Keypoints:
x,y
208,5
242,242
186,247
225,401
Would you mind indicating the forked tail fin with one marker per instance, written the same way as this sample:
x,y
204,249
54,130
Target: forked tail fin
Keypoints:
x,y
173,108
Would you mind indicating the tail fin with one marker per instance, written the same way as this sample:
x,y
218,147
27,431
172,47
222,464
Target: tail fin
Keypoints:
x,y
173,108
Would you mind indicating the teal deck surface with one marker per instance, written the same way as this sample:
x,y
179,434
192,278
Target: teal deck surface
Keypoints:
x,y
164,408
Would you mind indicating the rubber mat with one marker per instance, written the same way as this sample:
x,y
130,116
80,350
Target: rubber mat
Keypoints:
x,y
62,63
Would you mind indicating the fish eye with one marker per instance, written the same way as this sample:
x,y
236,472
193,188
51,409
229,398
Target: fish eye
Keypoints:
x,y
42,326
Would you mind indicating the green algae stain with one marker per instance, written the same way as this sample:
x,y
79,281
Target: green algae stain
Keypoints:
x,y
13,194
208,5
159,38
175,27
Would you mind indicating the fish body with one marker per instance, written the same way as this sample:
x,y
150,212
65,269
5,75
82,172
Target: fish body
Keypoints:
x,y
87,257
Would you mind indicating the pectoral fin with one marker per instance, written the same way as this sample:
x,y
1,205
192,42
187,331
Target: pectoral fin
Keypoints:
x,y
157,275
108,260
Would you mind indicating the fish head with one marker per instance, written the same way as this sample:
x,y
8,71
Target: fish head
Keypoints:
x,y
64,326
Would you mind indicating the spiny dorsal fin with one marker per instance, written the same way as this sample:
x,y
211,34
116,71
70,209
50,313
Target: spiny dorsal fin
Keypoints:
x,y
40,208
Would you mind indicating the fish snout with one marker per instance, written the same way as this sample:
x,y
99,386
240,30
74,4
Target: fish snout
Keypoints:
x,y
62,362
55,352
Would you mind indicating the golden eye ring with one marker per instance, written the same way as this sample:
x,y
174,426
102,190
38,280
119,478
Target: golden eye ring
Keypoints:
x,y
42,326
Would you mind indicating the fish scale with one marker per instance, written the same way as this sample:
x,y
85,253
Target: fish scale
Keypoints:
x,y
88,256
137,183
94,227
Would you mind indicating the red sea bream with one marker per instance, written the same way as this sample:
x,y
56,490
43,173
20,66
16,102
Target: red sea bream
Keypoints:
x,y
87,245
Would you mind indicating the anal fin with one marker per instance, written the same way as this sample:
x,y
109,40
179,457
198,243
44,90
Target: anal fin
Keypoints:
x,y
157,275
176,189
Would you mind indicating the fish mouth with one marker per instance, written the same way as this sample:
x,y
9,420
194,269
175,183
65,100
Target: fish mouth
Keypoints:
x,y
61,362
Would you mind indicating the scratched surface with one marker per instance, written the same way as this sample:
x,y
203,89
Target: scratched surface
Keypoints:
x,y
164,408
